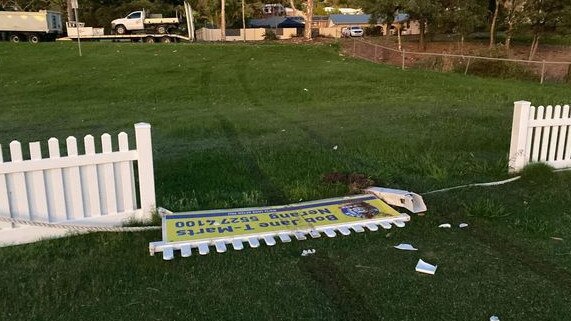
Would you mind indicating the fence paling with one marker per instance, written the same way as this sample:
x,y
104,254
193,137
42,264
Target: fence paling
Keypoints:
x,y
76,186
540,135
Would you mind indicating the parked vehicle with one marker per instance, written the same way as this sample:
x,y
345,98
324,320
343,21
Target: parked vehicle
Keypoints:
x,y
142,21
34,27
353,31
77,30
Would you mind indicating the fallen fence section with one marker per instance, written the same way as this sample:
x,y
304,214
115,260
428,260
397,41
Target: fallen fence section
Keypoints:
x,y
540,134
198,231
94,188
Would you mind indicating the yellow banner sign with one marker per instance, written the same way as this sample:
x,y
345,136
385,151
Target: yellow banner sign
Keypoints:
x,y
224,224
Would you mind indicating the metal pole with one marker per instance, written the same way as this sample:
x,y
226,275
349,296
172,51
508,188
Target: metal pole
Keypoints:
x,y
78,35
542,71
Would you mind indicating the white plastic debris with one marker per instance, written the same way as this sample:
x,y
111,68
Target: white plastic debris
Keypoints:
x,y
405,247
424,267
409,200
446,225
305,89
308,252
462,225
494,318
335,147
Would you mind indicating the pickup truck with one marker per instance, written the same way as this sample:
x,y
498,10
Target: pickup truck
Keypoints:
x,y
141,21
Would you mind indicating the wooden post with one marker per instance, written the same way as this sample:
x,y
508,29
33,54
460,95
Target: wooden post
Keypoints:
x,y
145,164
467,66
518,156
542,71
403,57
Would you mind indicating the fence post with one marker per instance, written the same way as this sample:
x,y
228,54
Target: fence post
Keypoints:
x,y
403,55
467,66
518,156
145,164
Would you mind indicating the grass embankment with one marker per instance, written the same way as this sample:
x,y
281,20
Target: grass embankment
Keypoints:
x,y
249,125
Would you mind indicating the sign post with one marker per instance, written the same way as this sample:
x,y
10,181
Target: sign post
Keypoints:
x,y
75,6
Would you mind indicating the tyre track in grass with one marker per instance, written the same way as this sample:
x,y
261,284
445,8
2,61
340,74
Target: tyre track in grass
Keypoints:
x,y
349,160
560,277
273,194
337,287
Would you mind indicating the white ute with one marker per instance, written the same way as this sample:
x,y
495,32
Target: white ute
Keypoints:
x,y
141,21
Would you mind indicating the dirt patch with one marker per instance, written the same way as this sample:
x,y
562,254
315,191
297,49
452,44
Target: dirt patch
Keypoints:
x,y
355,181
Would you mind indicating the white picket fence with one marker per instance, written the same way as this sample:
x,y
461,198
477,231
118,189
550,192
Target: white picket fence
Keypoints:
x,y
540,134
78,187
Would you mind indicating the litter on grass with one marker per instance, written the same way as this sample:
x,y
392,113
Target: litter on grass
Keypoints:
x,y
494,318
308,252
405,247
446,225
463,225
424,267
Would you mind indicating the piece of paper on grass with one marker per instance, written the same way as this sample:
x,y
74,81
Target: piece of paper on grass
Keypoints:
x,y
463,225
424,267
446,225
405,247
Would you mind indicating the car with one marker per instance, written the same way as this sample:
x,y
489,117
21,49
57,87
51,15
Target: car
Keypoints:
x,y
353,31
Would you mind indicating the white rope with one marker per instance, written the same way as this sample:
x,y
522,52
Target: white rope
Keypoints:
x,y
474,184
85,228
505,181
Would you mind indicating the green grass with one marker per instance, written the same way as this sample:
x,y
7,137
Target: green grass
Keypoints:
x,y
250,125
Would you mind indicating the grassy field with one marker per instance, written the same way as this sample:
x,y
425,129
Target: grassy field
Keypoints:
x,y
251,125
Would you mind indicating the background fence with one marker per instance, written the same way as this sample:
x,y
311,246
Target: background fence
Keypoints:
x,y
75,187
556,71
540,134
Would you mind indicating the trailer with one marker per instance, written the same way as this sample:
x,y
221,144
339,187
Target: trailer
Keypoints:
x,y
43,25
97,34
78,31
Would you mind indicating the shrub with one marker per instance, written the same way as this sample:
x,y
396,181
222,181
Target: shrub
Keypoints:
x,y
270,35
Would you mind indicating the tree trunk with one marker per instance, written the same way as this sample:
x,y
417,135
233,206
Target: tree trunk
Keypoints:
x,y
223,20
70,16
308,19
398,36
422,42
244,19
493,26
534,46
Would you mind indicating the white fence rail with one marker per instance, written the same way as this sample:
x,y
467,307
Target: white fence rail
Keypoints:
x,y
78,186
540,134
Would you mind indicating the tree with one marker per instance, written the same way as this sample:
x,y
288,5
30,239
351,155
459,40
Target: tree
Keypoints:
x,y
423,11
461,17
544,15
497,6
307,16
514,18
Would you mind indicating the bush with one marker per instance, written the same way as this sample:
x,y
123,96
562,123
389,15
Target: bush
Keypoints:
x,y
270,35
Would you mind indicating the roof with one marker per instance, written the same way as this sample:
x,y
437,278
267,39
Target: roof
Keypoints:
x,y
347,19
276,22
